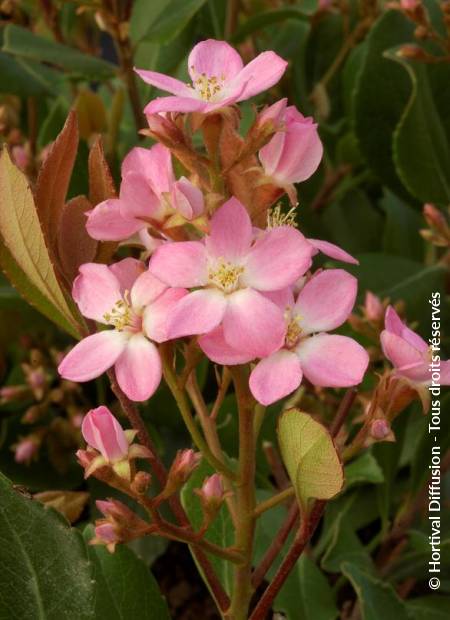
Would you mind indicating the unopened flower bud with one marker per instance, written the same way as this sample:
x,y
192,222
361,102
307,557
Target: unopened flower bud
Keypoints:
x,y
373,308
182,467
20,157
120,524
26,450
105,534
435,218
103,432
10,393
187,199
409,5
211,495
379,429
141,482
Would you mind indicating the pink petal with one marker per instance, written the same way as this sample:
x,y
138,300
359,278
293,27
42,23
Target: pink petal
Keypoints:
x,y
181,264
96,290
333,251
326,300
164,82
138,200
284,298
275,377
214,59
404,356
231,231
126,271
302,153
154,164
187,199
219,351
156,314
271,153
138,369
394,324
253,324
106,222
445,372
103,432
277,259
146,289
259,75
332,361
92,356
175,104
197,313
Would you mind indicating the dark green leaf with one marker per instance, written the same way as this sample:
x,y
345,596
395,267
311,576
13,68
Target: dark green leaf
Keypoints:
x,y
401,232
345,546
267,18
170,22
124,586
27,78
21,42
306,594
376,598
364,469
381,94
434,607
46,573
421,143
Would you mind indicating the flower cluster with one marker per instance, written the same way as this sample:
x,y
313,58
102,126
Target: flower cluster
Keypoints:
x,y
235,275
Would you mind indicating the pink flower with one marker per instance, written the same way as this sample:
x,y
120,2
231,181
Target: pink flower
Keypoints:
x,y
230,271
408,352
135,304
373,308
294,152
103,432
149,197
219,79
326,360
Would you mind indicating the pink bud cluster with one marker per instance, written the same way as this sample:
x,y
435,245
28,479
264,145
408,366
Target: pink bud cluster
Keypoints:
x,y
246,292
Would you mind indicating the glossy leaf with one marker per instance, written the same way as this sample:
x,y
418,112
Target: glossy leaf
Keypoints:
x,y
380,96
46,572
173,19
422,140
310,457
364,469
24,255
27,78
345,546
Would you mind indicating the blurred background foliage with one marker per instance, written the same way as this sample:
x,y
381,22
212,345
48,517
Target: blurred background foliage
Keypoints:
x,y
376,77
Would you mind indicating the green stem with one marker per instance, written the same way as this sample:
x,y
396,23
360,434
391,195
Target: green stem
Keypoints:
x,y
185,410
245,495
279,498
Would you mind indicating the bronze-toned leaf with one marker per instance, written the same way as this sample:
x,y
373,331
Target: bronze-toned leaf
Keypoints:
x,y
23,252
75,246
53,181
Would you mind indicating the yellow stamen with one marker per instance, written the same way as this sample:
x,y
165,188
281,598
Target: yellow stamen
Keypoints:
x,y
293,332
208,87
121,315
225,275
275,218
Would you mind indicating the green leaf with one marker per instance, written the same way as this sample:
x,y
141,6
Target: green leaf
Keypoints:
x,y
27,78
173,19
143,16
376,598
310,457
267,18
125,587
381,94
434,607
364,469
23,43
400,278
46,574
401,235
220,531
24,255
306,595
345,546
421,142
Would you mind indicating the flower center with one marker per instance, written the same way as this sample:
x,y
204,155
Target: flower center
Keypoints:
x,y
225,275
293,333
276,217
207,87
122,316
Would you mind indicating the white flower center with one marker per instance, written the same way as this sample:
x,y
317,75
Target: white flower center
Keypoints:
x,y
225,276
207,87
